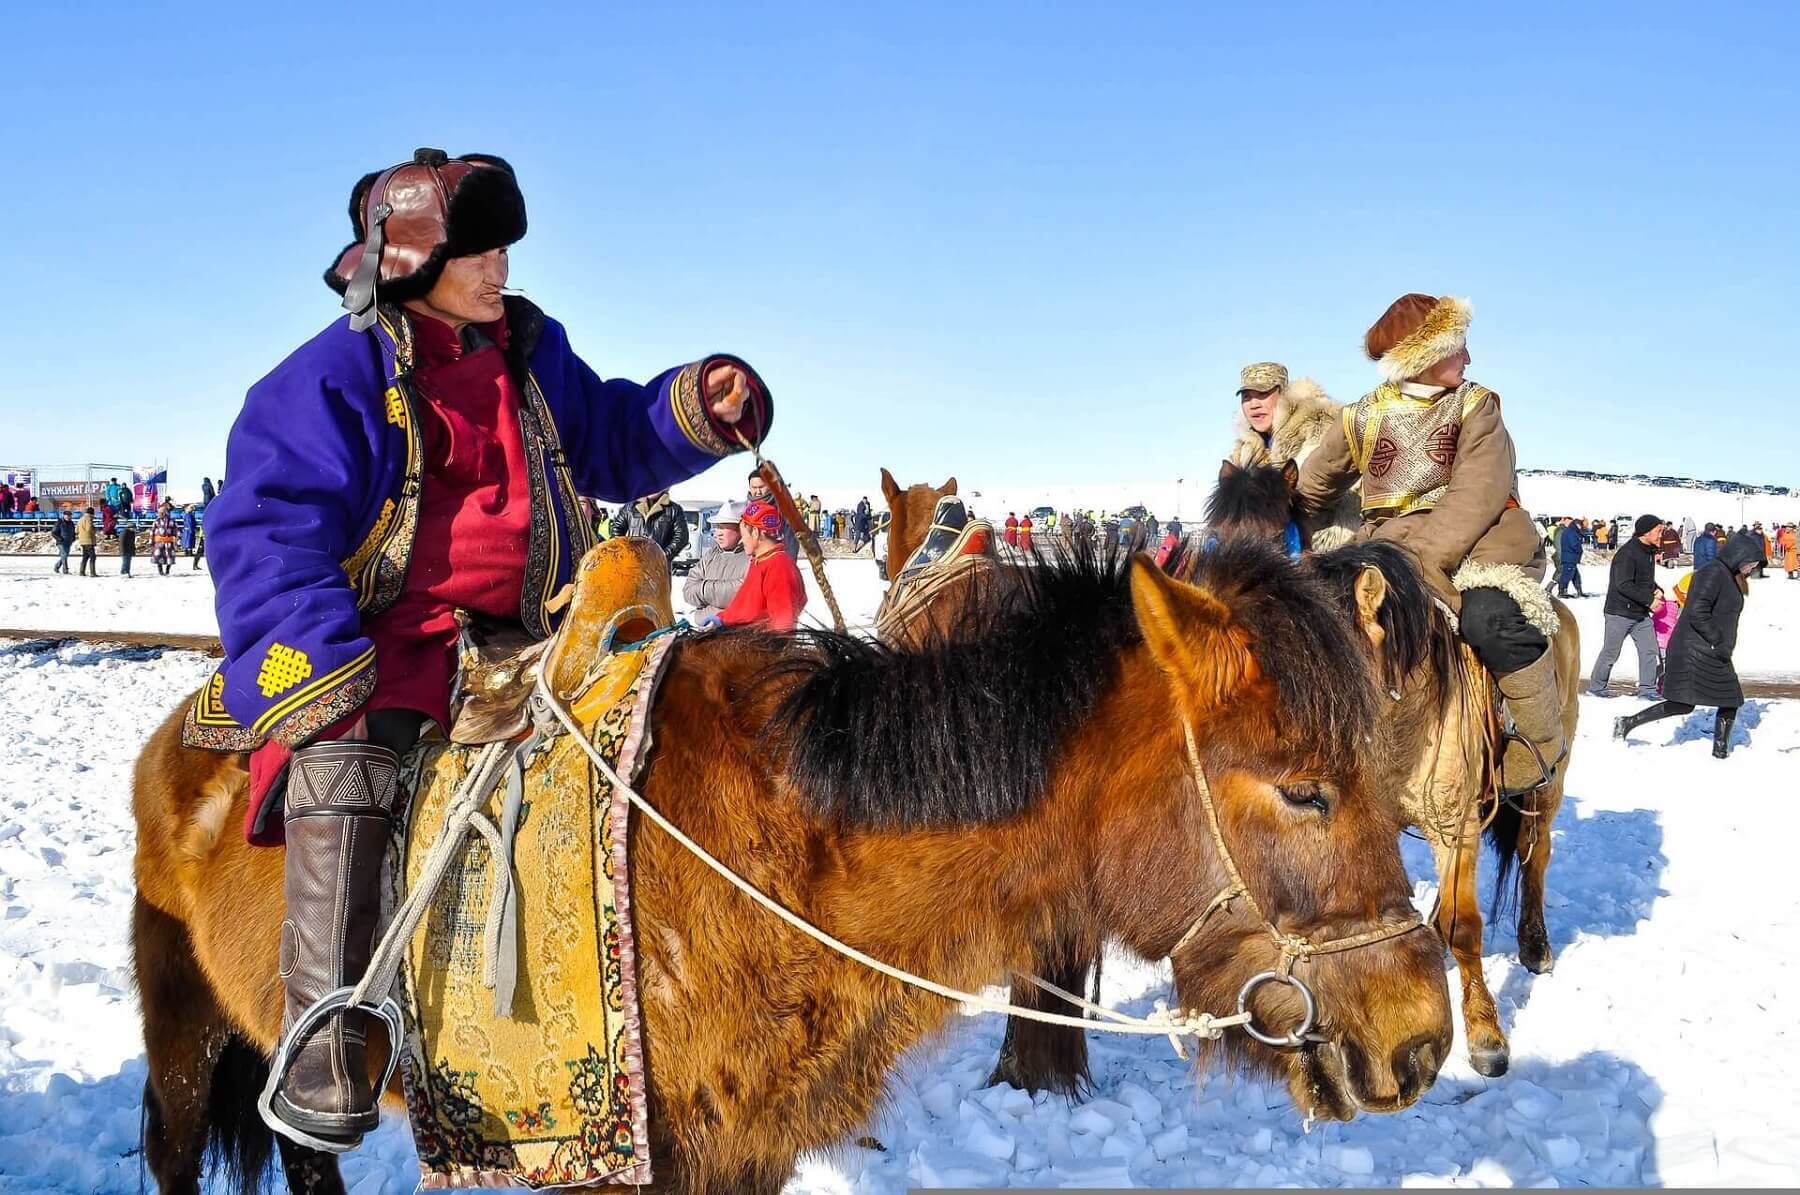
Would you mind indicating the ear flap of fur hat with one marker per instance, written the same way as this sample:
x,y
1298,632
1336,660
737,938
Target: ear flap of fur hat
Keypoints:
x,y
437,208
1416,332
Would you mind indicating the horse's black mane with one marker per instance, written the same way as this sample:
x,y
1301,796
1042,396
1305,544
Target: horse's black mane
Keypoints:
x,y
967,728
1418,634
1256,495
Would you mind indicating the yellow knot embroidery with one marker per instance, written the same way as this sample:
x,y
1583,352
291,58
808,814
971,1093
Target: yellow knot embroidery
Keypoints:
x,y
282,669
396,407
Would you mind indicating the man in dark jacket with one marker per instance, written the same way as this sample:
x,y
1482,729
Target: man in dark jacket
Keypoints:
x,y
659,518
1630,591
63,535
1568,559
1700,669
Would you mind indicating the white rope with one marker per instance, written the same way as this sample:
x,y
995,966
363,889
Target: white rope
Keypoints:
x,y
462,816
1162,1022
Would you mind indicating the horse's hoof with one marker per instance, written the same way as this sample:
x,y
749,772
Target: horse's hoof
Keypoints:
x,y
1491,1061
1537,960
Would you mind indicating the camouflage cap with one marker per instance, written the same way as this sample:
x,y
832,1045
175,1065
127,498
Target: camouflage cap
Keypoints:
x,y
1264,375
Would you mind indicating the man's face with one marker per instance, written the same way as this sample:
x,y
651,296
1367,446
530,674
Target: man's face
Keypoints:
x,y
469,287
759,488
727,535
1259,408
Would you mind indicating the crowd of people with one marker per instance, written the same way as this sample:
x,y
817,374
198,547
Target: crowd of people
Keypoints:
x,y
170,533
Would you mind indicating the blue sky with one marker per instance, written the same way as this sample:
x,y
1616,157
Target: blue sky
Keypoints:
x,y
1021,243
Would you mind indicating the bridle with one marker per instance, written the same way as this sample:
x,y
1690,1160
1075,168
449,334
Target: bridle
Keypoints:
x,y
1293,948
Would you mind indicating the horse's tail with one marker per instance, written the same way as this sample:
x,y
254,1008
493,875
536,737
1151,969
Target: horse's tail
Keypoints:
x,y
1503,835
237,1140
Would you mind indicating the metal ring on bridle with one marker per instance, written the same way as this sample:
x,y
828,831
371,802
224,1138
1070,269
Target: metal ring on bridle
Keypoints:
x,y
1296,1036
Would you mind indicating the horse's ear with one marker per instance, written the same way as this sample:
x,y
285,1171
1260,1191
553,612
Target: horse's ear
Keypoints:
x,y
948,488
1192,636
1290,474
890,489
1226,468
1371,590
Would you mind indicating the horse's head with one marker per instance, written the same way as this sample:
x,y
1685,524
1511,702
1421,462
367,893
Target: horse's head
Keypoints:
x,y
1274,682
1253,501
1413,646
909,513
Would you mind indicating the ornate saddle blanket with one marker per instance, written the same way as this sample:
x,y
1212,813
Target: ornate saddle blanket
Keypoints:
x,y
523,1062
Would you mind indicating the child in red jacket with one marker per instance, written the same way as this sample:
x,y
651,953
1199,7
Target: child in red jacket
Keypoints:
x,y
772,594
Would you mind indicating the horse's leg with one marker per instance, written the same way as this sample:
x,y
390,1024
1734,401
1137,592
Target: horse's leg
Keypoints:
x,y
1534,832
1534,861
309,1171
1037,1057
1458,919
184,1030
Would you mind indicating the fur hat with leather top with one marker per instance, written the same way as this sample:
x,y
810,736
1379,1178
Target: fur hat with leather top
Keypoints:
x,y
1416,332
413,217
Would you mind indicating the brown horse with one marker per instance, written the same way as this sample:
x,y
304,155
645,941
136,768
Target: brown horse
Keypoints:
x,y
1438,757
985,803
1445,762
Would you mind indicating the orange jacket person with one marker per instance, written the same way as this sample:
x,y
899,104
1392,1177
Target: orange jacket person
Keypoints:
x,y
772,594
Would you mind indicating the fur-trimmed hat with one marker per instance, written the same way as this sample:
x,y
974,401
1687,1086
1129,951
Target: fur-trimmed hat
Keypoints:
x,y
1416,332
413,217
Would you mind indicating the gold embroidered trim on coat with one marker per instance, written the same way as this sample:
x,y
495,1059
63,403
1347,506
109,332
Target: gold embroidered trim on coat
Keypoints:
x,y
316,689
690,411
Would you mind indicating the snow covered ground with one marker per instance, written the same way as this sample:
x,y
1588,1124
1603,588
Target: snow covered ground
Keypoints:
x,y
1659,1051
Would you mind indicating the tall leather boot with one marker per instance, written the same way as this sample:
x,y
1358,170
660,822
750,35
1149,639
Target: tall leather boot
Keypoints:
x,y
340,802
1536,708
1722,731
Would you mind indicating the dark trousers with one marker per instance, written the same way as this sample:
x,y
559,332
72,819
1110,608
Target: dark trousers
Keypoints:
x,y
88,567
1676,709
1568,575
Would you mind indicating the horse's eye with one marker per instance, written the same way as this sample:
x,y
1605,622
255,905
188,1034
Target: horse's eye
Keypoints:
x,y
1305,796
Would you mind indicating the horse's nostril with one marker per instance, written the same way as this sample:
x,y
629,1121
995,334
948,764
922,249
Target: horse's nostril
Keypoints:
x,y
1415,1065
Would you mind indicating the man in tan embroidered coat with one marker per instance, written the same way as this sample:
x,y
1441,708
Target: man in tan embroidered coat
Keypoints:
x,y
1281,420
1438,476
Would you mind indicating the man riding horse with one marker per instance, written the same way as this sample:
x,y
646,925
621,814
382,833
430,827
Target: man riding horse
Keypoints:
x,y
1438,476
412,469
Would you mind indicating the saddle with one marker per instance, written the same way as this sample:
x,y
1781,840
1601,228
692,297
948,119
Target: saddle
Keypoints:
x,y
953,534
955,544
620,594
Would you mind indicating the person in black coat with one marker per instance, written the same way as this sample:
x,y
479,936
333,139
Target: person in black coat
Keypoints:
x,y
1699,669
657,518
1630,592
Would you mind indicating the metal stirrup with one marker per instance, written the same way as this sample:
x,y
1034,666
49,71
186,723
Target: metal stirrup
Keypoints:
x,y
337,1000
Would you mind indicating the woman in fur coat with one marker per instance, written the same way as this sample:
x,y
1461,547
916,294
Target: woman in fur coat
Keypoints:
x,y
1281,420
1438,476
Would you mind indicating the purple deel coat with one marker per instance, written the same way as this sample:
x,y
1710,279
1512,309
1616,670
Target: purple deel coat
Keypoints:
x,y
316,529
